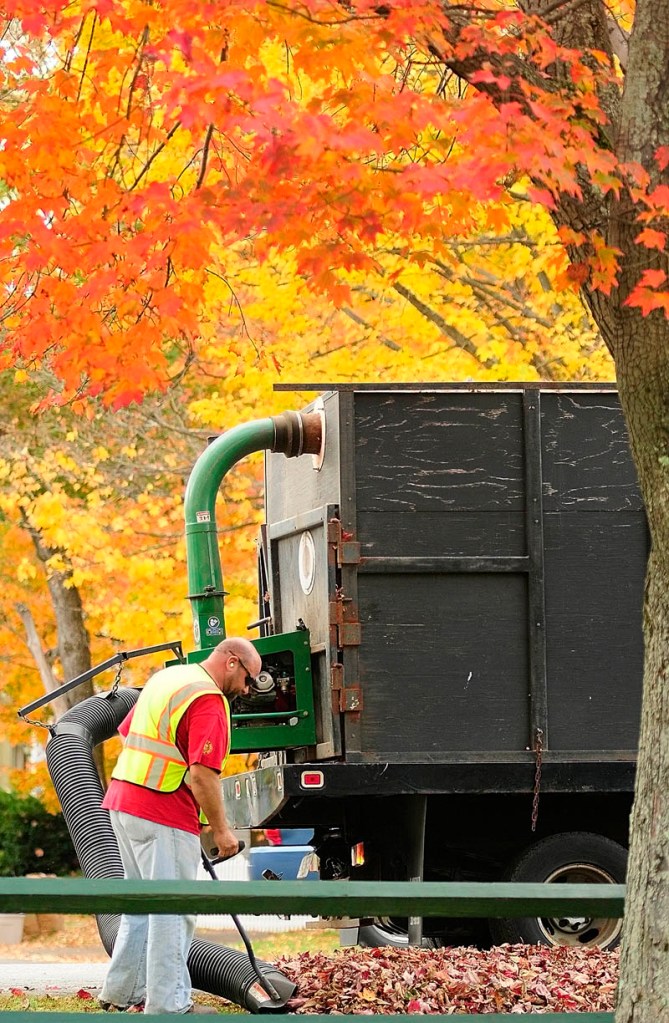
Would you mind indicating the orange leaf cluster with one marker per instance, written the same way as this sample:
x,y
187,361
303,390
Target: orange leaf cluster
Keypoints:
x,y
141,141
160,160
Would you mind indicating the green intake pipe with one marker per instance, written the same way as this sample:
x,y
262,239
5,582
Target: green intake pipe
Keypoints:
x,y
292,433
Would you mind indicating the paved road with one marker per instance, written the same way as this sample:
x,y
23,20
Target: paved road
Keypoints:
x,y
52,978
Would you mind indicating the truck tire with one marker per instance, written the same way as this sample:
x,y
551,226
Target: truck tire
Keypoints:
x,y
383,932
576,857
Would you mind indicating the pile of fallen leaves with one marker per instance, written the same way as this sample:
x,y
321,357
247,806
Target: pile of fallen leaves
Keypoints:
x,y
508,978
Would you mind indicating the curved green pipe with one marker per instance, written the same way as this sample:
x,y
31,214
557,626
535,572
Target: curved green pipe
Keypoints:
x,y
205,574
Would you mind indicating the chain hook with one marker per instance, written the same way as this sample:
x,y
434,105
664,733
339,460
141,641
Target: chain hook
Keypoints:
x,y
538,752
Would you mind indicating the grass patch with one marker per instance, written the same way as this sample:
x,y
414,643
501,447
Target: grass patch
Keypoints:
x,y
74,1003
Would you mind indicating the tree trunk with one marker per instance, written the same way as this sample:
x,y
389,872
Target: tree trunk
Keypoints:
x,y
643,993
640,348
74,650
62,703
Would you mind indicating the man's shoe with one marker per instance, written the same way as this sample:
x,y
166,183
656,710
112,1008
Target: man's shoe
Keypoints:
x,y
204,1010
110,1007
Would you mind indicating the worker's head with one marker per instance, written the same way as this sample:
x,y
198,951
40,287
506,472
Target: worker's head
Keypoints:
x,y
233,665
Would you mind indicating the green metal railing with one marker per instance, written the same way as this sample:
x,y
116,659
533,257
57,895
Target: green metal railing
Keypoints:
x,y
318,898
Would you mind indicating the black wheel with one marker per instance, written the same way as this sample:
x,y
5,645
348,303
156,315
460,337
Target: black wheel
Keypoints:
x,y
575,857
386,932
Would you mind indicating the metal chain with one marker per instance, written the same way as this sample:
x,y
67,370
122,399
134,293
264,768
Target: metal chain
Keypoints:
x,y
538,751
115,684
112,692
34,721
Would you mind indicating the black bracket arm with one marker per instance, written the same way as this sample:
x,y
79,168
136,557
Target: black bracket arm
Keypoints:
x,y
119,658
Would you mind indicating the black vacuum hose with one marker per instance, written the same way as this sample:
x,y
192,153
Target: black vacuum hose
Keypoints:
x,y
69,754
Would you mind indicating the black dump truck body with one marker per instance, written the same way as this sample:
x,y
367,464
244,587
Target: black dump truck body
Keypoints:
x,y
469,564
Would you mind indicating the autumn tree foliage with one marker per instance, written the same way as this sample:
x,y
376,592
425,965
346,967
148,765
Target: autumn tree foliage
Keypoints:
x,y
340,137
91,525
143,142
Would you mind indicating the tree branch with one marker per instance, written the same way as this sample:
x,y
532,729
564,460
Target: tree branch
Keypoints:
x,y
352,315
157,151
62,703
139,55
205,156
434,317
88,53
619,40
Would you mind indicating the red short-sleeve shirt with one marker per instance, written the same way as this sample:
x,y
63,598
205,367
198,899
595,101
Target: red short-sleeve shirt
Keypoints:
x,y
202,738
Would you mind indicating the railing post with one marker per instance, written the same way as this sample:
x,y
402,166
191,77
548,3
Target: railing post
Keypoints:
x,y
416,817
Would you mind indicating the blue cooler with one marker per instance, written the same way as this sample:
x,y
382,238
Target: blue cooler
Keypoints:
x,y
284,859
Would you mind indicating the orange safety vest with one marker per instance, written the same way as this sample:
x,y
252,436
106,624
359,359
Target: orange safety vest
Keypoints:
x,y
150,755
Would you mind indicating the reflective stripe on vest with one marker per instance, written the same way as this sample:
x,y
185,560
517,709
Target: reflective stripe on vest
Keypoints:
x,y
150,756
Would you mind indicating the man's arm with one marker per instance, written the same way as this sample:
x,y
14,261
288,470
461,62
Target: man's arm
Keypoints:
x,y
205,785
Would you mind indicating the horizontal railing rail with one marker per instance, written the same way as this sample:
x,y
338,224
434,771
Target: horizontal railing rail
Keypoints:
x,y
317,898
